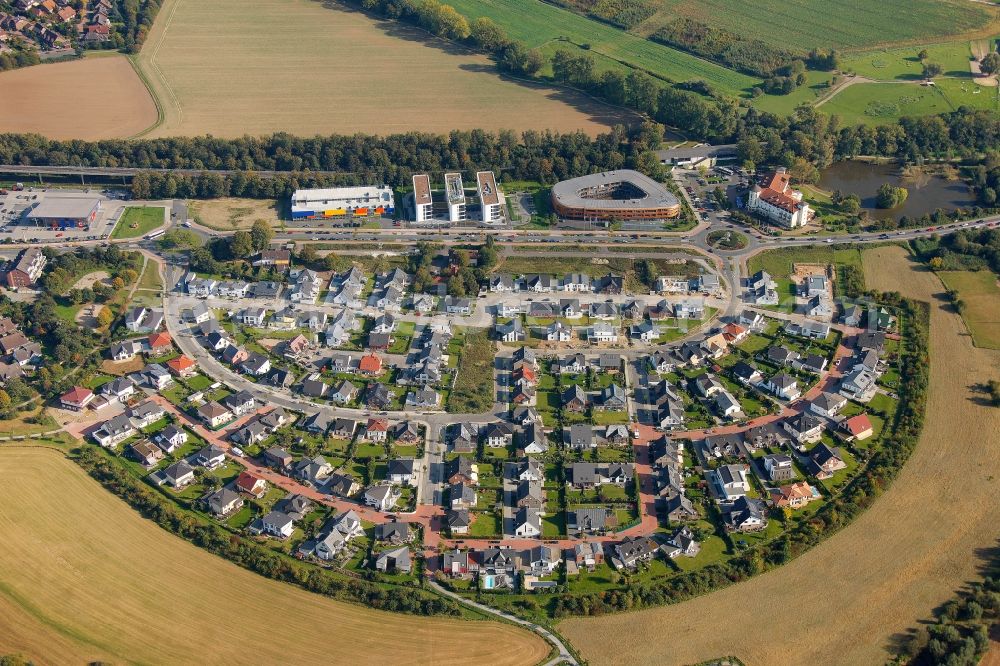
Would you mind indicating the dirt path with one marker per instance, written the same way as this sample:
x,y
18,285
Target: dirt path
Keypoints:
x,y
90,279
980,47
851,599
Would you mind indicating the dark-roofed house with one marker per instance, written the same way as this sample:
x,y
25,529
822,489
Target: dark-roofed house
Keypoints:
x,y
590,520
632,550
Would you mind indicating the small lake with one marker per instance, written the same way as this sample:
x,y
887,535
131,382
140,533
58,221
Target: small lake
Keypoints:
x,y
927,193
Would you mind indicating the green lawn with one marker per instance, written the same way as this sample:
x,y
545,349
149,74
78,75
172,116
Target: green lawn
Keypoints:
x,y
779,262
151,277
885,103
902,63
980,297
485,525
138,221
816,84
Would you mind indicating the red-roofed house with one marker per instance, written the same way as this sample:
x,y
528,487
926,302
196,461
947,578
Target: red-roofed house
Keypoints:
x,y
370,364
159,343
251,485
775,199
76,398
857,427
377,430
66,14
182,366
734,333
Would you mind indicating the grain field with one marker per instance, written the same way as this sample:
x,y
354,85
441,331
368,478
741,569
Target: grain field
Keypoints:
x,y
93,98
83,578
230,67
851,599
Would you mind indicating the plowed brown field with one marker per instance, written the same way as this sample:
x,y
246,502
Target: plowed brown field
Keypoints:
x,y
93,98
850,599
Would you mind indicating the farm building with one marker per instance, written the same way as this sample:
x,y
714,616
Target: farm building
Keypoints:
x,y
423,203
614,195
490,197
361,201
65,212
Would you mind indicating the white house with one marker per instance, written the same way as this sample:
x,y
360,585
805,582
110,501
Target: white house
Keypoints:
x,y
775,200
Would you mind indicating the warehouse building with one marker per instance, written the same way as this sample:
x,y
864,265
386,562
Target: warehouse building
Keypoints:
x,y
455,195
490,198
65,212
332,202
423,203
613,196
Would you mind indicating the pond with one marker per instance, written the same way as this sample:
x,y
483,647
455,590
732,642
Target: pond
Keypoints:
x,y
927,192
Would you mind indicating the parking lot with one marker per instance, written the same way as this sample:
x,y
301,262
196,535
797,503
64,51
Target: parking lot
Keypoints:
x,y
15,227
700,190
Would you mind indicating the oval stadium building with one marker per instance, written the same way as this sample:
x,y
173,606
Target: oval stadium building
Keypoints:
x,y
612,196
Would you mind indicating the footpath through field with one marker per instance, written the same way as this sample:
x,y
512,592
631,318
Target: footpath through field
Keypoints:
x,y
851,599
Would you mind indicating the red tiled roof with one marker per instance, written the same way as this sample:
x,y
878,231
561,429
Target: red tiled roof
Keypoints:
x,y
161,339
378,424
370,363
180,363
858,424
246,481
76,395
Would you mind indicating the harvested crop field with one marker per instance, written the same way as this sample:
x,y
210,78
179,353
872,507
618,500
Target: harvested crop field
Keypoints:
x,y
83,578
230,68
980,294
93,98
850,599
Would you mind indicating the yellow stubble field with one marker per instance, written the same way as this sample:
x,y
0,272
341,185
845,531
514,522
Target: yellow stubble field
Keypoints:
x,y
83,578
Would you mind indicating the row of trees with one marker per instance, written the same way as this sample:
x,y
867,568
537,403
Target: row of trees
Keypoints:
x,y
968,249
750,56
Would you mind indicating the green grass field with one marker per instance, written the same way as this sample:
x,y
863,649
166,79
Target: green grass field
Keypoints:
x,y
816,85
841,24
779,262
980,295
538,24
883,103
903,64
138,221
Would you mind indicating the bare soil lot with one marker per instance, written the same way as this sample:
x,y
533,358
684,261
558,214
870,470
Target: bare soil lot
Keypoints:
x,y
230,68
849,600
93,98
84,578
232,213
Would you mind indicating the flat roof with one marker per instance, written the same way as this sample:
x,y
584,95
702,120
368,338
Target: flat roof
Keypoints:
x,y
453,187
421,189
342,196
703,150
569,193
488,194
65,207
